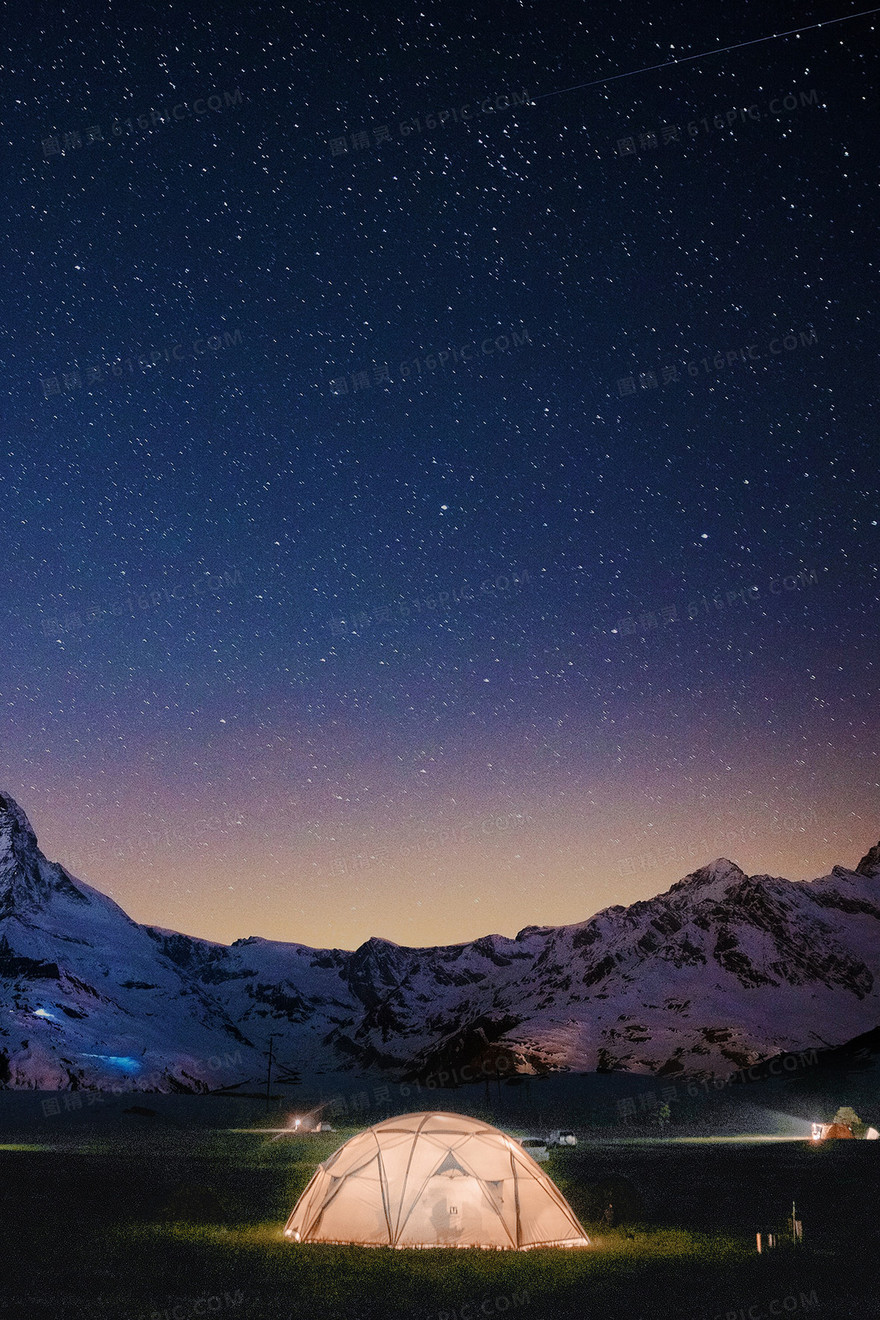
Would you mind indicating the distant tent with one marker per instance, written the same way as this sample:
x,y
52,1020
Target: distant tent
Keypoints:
x,y
872,1134
839,1130
434,1180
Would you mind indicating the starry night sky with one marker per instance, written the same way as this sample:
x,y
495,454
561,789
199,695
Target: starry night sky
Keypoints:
x,y
425,527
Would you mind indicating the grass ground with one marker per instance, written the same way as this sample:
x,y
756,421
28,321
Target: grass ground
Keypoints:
x,y
146,1216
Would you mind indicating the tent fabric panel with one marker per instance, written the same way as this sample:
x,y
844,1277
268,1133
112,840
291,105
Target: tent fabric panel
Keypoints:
x,y
356,1151
356,1213
395,1162
546,1214
362,1183
441,1126
488,1159
308,1210
309,1204
541,1218
436,1123
502,1195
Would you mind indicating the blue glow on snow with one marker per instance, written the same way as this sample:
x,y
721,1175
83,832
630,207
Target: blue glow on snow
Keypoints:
x,y
124,1062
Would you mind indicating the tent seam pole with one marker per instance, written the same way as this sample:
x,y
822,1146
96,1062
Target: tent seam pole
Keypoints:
x,y
516,1202
386,1205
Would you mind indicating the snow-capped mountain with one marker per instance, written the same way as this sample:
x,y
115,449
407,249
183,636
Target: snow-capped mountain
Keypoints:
x,y
722,970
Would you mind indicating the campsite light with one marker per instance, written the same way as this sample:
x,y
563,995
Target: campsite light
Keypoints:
x,y
816,1134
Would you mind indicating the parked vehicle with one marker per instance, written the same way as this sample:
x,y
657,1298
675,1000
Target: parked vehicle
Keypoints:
x,y
562,1137
536,1147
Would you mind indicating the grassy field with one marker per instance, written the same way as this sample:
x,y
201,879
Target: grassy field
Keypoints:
x,y
141,1215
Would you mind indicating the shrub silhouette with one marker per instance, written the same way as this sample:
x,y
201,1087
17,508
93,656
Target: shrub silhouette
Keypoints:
x,y
613,1201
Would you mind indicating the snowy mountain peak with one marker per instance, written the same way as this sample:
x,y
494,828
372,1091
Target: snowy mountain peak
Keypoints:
x,y
22,882
29,884
16,832
721,869
869,866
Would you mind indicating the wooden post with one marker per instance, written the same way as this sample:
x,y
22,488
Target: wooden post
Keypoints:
x,y
797,1228
758,1236
269,1069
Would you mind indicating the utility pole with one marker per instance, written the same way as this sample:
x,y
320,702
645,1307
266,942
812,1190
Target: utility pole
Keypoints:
x,y
269,1068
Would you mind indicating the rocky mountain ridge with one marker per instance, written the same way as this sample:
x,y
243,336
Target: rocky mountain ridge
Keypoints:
x,y
722,970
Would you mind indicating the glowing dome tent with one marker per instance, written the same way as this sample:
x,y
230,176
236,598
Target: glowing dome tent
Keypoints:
x,y
434,1180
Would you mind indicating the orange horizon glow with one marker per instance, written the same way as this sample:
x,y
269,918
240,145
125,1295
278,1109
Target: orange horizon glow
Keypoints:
x,y
487,870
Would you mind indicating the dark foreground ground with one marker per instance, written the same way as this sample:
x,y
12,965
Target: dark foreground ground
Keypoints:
x,y
177,1214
